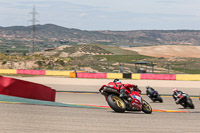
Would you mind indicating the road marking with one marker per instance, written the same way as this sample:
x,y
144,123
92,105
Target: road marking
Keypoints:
x,y
93,106
154,110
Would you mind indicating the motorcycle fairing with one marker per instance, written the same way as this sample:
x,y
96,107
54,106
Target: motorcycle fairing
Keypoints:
x,y
137,101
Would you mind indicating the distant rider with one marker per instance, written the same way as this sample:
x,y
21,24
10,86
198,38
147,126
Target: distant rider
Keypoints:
x,y
150,91
176,94
124,87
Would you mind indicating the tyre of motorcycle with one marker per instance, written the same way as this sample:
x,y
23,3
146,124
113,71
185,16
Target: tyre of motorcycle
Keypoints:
x,y
116,103
146,107
160,99
189,103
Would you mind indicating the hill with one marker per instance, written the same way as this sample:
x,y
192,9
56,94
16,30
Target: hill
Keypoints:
x,y
57,34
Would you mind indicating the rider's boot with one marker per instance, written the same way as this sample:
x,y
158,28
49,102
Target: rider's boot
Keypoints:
x,y
177,101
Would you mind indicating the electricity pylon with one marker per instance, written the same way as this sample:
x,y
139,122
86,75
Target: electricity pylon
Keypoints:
x,y
33,20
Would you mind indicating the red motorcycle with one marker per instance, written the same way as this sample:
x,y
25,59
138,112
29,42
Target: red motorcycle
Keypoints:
x,y
133,101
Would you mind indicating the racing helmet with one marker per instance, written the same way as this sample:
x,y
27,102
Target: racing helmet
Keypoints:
x,y
147,87
174,89
135,86
117,81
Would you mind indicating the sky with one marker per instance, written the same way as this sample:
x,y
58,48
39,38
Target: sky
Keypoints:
x,y
116,15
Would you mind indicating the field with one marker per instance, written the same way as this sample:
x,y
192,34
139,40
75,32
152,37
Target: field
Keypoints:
x,y
168,51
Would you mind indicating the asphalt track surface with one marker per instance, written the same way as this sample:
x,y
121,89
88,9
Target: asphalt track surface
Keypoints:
x,y
26,118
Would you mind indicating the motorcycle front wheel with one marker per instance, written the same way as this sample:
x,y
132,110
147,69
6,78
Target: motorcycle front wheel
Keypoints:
x,y
146,107
116,103
160,99
189,103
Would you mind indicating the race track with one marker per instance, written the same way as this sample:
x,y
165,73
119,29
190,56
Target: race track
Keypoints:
x,y
23,118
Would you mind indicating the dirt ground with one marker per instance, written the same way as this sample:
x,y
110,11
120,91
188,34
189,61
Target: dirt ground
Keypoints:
x,y
168,51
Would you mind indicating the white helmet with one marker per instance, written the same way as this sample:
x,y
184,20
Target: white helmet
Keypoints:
x,y
174,89
117,81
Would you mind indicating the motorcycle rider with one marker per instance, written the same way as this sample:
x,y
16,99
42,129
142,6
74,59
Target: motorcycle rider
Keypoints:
x,y
123,87
149,91
175,95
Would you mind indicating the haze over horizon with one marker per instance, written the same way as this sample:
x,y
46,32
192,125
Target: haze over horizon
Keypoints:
x,y
105,14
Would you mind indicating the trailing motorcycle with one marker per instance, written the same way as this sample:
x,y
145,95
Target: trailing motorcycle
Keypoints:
x,y
133,102
185,101
153,94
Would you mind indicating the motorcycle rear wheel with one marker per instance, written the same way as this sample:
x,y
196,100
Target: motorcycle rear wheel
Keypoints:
x,y
146,108
116,103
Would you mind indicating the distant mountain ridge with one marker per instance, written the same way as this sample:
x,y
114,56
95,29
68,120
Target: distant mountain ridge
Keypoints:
x,y
53,32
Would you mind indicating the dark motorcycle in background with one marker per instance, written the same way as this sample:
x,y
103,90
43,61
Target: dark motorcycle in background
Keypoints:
x,y
185,101
153,94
